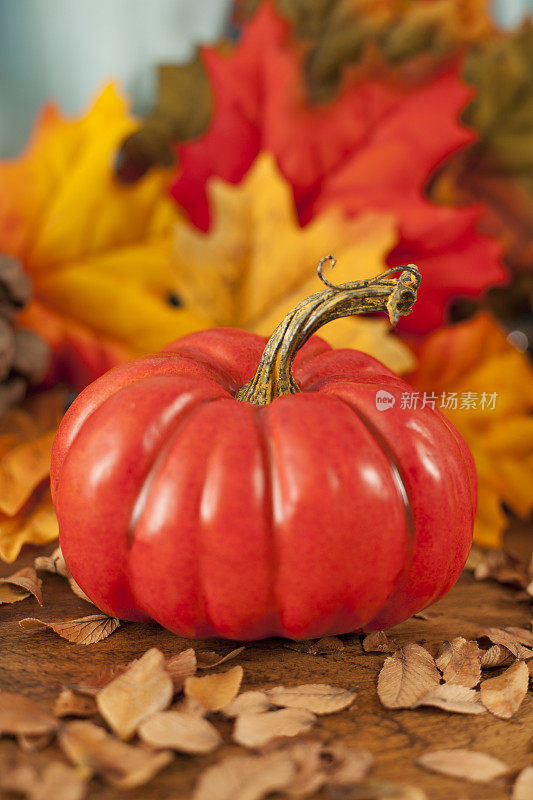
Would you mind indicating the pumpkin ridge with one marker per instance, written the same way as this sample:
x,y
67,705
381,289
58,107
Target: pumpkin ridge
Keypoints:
x,y
458,442
142,495
401,485
268,475
185,421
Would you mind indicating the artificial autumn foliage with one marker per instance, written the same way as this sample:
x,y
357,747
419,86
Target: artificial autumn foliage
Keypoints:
x,y
373,147
255,262
498,169
97,251
339,31
475,357
26,436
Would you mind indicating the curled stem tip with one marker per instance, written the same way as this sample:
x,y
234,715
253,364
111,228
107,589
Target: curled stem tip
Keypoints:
x,y
396,296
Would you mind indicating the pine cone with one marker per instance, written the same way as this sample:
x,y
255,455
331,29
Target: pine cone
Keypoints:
x,y
24,356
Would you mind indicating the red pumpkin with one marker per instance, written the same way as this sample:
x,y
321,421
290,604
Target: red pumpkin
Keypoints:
x,y
302,507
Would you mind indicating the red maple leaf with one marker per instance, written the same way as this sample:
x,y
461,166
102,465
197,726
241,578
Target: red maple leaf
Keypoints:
x,y
374,146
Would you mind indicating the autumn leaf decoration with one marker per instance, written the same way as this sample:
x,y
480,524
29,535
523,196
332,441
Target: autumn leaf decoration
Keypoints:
x,y
497,169
97,251
373,147
26,435
469,362
255,262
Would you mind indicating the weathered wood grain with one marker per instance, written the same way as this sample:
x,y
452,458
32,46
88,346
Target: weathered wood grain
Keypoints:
x,y
39,664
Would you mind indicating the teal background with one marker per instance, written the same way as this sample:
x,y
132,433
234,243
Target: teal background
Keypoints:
x,y
66,49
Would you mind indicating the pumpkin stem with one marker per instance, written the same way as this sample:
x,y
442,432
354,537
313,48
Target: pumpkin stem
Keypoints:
x,y
273,376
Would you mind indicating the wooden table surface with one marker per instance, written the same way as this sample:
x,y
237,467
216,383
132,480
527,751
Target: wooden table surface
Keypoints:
x,y
39,664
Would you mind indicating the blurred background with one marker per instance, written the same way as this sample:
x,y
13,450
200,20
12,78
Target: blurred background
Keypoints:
x,y
99,39
168,166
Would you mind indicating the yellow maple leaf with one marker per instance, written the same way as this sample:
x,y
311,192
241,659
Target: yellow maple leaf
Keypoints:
x,y
97,251
26,435
474,360
256,262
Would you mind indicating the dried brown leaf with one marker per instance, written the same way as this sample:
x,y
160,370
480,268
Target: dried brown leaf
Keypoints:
x,y
32,744
499,636
319,764
17,775
503,695
92,685
85,630
316,647
311,767
20,715
72,704
245,777
78,591
406,676
95,751
20,585
351,765
454,698
459,662
523,786
378,642
494,656
173,730
189,706
320,698
522,635
143,689
54,563
467,764
215,691
426,615
503,567
475,557
328,644
181,666
207,663
59,782
253,701
256,730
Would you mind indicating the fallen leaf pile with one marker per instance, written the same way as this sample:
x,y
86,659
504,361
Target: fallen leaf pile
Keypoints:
x,y
26,512
161,707
25,582
125,723
411,677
